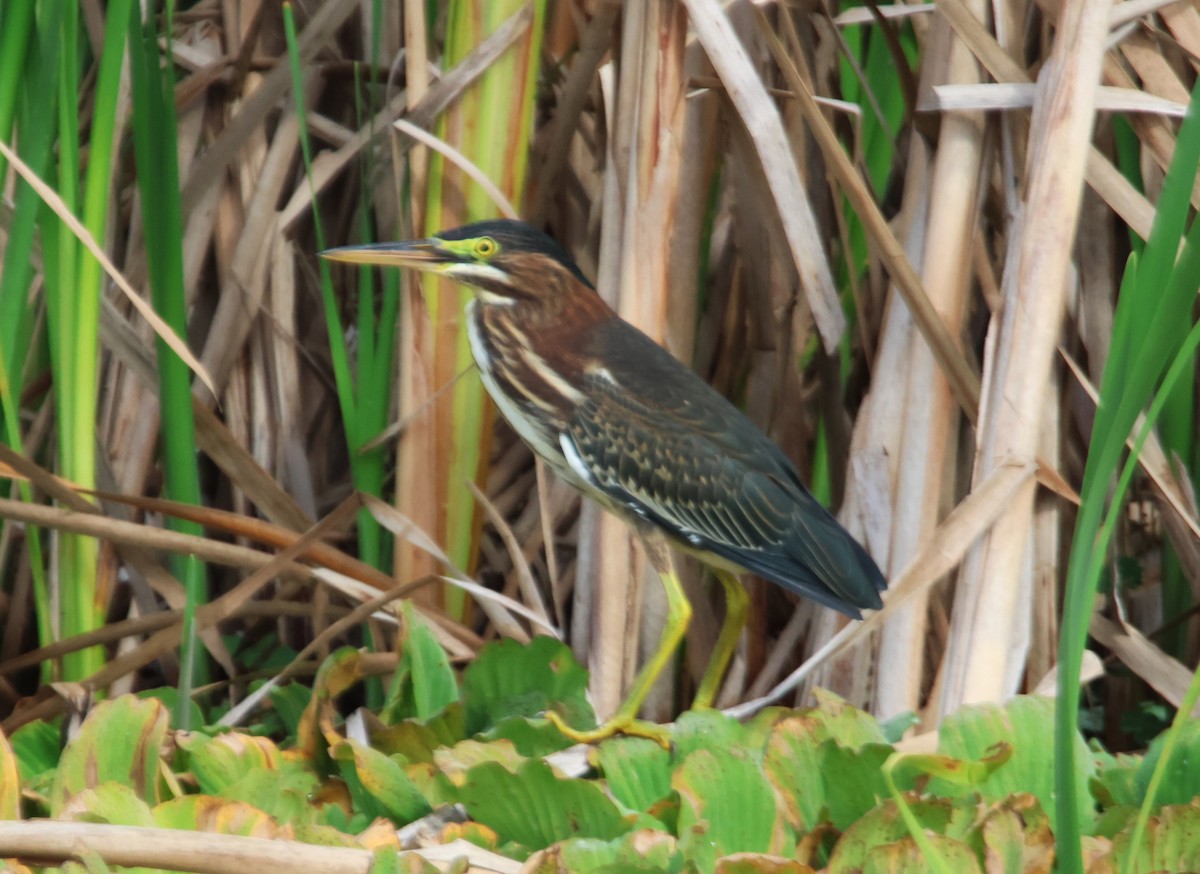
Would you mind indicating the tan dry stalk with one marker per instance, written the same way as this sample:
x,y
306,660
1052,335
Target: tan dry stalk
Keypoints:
x,y
984,658
416,484
644,153
963,380
212,436
930,424
210,170
245,280
1166,675
1127,202
761,118
214,853
167,640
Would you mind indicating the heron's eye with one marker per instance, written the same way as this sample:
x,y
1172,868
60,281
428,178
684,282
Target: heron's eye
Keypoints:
x,y
486,247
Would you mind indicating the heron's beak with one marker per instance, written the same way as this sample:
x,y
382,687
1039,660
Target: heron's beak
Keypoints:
x,y
416,254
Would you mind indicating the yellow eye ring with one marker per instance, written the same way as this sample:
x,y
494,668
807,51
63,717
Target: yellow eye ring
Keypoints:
x,y
485,247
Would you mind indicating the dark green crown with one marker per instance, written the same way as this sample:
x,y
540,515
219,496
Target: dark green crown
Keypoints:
x,y
515,236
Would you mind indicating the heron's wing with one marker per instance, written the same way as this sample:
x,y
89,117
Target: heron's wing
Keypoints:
x,y
661,444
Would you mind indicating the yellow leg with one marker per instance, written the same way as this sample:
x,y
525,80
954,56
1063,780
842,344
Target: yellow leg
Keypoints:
x,y
737,608
679,614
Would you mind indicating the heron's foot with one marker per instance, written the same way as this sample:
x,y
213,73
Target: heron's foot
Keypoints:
x,y
625,720
621,724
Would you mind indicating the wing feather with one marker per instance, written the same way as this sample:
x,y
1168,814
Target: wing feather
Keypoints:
x,y
699,469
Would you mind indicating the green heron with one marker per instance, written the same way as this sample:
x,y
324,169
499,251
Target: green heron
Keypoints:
x,y
620,419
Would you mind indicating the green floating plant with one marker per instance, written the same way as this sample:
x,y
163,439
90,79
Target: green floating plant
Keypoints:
x,y
788,791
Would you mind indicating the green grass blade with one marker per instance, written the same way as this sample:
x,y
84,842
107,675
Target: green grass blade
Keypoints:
x,y
491,125
376,347
16,32
28,89
1153,311
360,425
73,336
157,153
